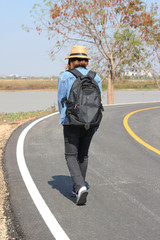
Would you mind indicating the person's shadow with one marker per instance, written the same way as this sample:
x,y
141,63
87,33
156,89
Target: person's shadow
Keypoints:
x,y
64,185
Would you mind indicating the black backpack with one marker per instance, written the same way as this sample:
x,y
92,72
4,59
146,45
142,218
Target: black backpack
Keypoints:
x,y
83,107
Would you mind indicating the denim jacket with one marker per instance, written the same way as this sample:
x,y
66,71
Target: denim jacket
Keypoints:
x,y
65,82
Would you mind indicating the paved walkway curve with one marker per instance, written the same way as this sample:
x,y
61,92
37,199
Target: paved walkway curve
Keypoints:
x,y
123,201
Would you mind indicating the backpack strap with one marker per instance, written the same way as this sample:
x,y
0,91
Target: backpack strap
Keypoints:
x,y
75,72
91,74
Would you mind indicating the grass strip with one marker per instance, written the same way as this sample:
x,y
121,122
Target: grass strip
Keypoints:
x,y
20,116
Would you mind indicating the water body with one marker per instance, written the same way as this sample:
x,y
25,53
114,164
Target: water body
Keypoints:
x,y
24,101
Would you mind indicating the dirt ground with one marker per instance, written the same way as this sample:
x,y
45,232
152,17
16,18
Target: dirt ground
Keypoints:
x,y
7,230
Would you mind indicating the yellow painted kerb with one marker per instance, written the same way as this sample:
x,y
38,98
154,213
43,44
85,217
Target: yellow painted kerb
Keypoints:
x,y
125,123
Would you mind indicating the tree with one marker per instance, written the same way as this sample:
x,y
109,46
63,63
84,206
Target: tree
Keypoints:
x,y
110,27
151,35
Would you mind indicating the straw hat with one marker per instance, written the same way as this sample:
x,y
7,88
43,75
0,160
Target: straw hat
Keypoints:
x,y
78,52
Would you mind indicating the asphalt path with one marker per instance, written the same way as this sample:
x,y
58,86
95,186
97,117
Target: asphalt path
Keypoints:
x,y
124,179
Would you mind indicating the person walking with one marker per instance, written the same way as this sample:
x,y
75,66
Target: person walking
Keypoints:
x,y
76,139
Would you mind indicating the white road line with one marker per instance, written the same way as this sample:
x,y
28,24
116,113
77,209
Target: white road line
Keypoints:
x,y
42,207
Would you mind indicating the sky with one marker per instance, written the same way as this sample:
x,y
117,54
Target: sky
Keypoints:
x,y
23,53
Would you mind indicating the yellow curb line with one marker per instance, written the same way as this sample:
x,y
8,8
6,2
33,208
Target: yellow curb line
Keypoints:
x,y
125,123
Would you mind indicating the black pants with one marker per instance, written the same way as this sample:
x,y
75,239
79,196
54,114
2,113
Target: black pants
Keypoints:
x,y
77,141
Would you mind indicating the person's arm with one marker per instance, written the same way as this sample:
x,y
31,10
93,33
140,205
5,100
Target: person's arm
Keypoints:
x,y
62,92
98,80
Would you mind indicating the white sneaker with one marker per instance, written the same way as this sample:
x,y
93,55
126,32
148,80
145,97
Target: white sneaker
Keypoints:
x,y
82,196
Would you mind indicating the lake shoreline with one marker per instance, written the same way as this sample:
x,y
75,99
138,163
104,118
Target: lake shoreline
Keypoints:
x,y
36,100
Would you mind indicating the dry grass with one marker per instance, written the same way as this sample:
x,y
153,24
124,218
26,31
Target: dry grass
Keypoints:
x,y
49,84
26,84
132,84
